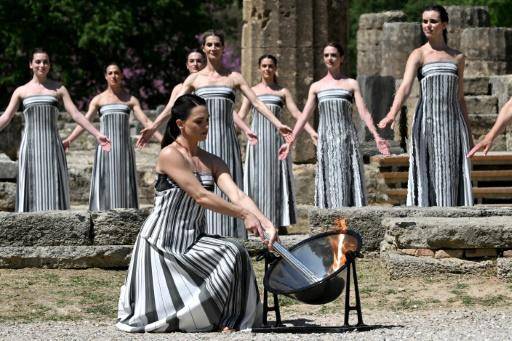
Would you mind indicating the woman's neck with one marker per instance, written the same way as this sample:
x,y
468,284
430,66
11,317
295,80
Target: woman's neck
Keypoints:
x,y
334,73
437,43
115,90
268,82
39,80
190,146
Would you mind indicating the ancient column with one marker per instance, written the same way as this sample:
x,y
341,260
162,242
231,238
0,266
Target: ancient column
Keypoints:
x,y
295,32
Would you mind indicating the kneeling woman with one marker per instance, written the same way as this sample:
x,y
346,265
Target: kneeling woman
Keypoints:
x,y
181,279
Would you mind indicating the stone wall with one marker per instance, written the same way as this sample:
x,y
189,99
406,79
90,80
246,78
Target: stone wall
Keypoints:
x,y
385,41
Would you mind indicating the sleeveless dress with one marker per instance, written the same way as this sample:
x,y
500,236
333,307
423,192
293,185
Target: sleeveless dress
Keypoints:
x,y
267,180
43,173
339,178
114,178
222,142
439,172
180,279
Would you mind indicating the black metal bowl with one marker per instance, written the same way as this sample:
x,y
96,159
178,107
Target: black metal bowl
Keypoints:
x,y
322,255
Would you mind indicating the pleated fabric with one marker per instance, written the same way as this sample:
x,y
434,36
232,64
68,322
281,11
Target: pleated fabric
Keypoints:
x,y
180,279
439,172
268,180
222,142
114,177
339,180
42,168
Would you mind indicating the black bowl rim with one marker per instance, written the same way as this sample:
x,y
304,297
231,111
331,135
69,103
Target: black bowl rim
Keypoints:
x,y
350,259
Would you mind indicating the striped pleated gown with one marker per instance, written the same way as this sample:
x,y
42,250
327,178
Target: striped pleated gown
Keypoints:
x,y
42,169
222,142
267,180
339,178
439,172
180,279
114,180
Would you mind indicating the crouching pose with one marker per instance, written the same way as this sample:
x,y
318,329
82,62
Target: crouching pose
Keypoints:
x,y
181,279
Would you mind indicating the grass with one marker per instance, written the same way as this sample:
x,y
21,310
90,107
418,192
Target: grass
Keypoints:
x,y
61,295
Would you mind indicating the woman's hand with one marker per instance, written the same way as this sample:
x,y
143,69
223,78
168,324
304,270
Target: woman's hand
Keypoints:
x,y
388,119
382,145
285,131
272,235
104,142
66,143
253,225
145,136
252,138
485,144
283,151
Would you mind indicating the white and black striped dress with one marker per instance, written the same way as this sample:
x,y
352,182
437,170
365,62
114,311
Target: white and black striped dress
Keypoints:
x,y
267,180
114,178
339,178
439,172
222,142
43,174
180,279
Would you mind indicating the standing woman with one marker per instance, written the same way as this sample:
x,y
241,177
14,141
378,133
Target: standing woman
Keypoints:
x,y
180,279
268,180
217,86
439,172
42,183
339,180
195,62
114,177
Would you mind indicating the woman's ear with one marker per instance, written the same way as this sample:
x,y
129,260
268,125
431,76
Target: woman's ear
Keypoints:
x,y
179,123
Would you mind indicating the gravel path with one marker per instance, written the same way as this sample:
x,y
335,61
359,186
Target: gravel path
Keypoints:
x,y
479,324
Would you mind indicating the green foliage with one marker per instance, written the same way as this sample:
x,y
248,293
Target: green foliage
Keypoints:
x,y
149,38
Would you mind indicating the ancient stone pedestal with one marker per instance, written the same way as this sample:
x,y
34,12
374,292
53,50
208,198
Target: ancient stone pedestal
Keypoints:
x,y
462,17
295,32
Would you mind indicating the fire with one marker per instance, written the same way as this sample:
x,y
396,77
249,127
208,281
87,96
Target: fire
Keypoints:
x,y
341,244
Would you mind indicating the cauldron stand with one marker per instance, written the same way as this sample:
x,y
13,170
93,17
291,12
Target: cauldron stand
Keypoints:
x,y
279,327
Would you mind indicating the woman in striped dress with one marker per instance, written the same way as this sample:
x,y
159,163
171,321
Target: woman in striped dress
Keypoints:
x,y
217,86
181,279
339,180
268,180
195,62
439,172
114,177
42,183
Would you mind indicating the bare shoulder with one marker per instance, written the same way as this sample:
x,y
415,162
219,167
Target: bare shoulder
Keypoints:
x,y
134,101
458,55
212,162
352,84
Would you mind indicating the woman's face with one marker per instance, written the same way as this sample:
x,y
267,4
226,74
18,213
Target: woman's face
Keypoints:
x,y
213,47
431,24
267,68
40,64
113,75
195,62
332,58
196,124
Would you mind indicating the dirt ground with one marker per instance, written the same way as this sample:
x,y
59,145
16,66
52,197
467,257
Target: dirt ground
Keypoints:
x,y
32,295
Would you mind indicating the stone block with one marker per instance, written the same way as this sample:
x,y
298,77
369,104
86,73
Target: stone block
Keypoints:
x,y
476,86
482,105
476,68
10,137
424,253
398,41
449,233
501,87
410,252
8,168
50,228
66,257
369,52
468,16
480,126
449,254
7,196
378,93
507,253
373,21
118,226
399,265
479,253
304,181
487,43
504,268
